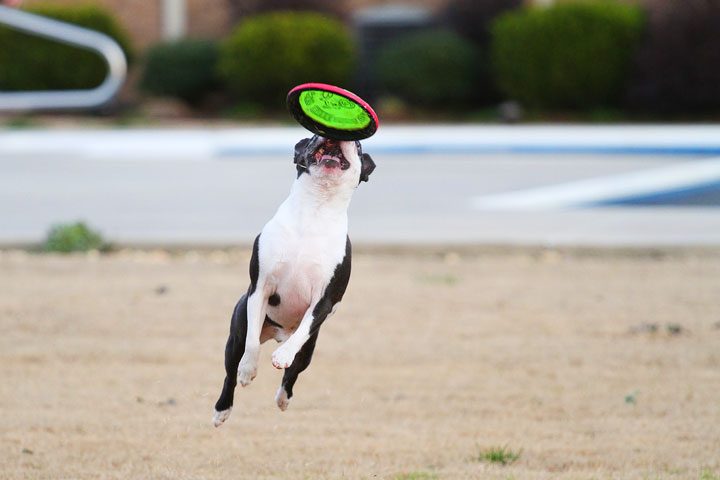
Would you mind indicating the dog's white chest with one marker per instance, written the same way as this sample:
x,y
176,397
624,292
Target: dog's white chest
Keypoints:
x,y
299,251
298,276
294,284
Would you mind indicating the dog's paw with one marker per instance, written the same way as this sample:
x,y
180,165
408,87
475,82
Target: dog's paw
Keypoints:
x,y
220,417
282,399
283,356
246,373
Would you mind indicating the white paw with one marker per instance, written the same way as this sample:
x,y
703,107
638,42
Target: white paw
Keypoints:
x,y
246,373
247,370
282,399
283,356
220,417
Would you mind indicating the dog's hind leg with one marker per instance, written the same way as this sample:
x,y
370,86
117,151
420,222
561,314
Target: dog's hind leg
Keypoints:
x,y
301,362
234,350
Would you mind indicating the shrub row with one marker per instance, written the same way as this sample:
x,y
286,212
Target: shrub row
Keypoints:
x,y
265,56
437,69
572,55
270,53
576,55
185,69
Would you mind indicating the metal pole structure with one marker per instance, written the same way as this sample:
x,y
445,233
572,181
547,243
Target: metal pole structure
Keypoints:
x,y
70,34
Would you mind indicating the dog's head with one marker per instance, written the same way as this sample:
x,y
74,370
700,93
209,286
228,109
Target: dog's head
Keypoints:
x,y
322,157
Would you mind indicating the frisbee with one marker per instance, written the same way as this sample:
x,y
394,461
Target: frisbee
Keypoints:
x,y
332,112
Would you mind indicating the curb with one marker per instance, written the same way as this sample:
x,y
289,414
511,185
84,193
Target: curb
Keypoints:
x,y
209,143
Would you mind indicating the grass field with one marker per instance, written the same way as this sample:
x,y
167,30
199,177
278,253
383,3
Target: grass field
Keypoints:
x,y
492,364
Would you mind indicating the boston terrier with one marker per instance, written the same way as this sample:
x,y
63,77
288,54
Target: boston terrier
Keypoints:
x,y
299,269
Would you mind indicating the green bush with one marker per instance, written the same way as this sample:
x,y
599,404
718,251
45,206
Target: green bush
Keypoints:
x,y
571,55
185,69
472,19
28,62
269,54
435,68
73,237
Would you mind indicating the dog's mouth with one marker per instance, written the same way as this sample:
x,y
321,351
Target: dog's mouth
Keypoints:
x,y
329,156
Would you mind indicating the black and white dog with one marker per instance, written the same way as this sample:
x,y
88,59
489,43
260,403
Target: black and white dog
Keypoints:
x,y
299,270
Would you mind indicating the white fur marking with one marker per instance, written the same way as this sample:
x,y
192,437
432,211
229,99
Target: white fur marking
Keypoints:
x,y
246,373
220,417
256,308
284,355
282,399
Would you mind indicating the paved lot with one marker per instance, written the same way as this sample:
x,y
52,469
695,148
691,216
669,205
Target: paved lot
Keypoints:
x,y
219,187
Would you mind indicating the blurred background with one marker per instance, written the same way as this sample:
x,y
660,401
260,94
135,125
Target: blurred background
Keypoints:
x,y
535,122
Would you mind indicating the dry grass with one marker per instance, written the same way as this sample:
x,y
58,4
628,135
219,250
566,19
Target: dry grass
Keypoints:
x,y
110,365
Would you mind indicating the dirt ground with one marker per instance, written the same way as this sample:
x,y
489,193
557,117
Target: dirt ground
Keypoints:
x,y
590,365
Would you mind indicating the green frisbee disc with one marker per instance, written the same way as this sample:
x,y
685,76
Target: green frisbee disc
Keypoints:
x,y
332,112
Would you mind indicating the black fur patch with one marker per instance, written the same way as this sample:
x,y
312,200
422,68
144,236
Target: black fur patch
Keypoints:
x,y
234,349
304,151
301,362
272,323
254,266
367,167
274,300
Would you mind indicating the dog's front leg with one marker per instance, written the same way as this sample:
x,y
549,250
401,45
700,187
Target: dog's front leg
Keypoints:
x,y
256,308
317,313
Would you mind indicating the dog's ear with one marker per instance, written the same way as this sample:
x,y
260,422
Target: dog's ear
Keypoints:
x,y
301,153
367,167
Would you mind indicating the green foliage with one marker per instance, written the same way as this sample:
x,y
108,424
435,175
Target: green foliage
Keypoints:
x,y
707,474
73,237
472,20
436,68
28,62
184,69
20,122
570,55
269,54
502,455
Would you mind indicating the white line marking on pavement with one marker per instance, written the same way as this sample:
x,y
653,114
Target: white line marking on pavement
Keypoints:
x,y
595,190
